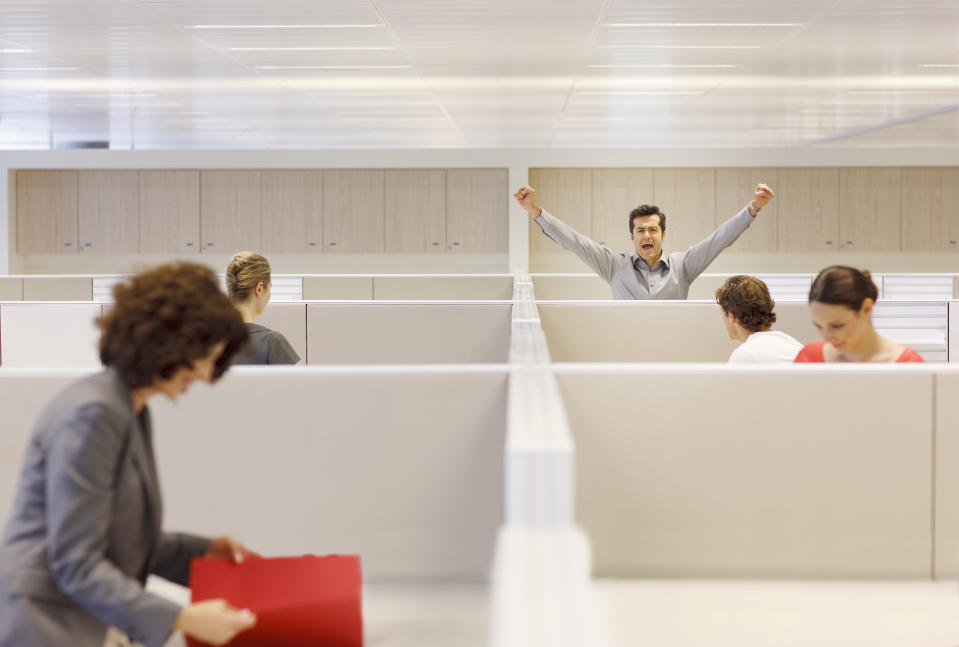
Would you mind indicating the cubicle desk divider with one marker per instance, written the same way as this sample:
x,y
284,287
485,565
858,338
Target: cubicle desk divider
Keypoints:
x,y
39,334
381,332
946,471
721,471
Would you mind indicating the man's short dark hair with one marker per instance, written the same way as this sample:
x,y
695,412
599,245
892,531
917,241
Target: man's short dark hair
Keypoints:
x,y
166,318
748,299
647,210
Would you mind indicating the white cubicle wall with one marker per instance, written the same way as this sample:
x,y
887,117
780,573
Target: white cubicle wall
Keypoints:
x,y
403,466
717,471
49,334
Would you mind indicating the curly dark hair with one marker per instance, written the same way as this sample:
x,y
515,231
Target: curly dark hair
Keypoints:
x,y
843,285
647,210
748,299
164,319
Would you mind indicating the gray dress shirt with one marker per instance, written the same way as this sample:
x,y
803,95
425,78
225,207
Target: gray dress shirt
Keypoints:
x,y
629,277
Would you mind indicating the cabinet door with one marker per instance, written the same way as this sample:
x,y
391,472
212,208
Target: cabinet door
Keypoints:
x,y
808,201
353,211
735,187
567,194
292,207
169,212
929,209
47,212
230,218
109,212
478,211
870,200
415,211
615,193
688,198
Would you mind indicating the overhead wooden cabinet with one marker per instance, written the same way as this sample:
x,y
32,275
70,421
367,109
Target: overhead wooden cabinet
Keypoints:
x,y
169,212
735,187
292,207
109,212
930,209
808,204
415,211
567,194
47,212
688,198
230,217
870,200
477,215
353,211
615,193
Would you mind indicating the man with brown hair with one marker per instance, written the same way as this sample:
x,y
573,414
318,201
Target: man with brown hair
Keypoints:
x,y
748,316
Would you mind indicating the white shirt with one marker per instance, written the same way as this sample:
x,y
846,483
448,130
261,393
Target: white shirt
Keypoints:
x,y
766,346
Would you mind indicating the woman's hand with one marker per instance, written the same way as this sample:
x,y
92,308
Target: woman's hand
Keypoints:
x,y
214,621
228,548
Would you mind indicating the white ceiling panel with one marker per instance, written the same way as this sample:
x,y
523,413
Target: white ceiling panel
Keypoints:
x,y
438,73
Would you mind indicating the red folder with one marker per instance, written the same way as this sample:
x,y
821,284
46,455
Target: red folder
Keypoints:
x,y
304,601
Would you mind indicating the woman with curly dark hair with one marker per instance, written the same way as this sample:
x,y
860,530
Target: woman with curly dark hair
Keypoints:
x,y
748,315
85,530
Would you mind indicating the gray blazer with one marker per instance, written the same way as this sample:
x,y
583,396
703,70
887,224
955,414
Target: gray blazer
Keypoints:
x,y
85,530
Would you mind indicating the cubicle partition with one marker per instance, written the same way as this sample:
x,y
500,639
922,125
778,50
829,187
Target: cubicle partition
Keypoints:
x,y
49,334
717,471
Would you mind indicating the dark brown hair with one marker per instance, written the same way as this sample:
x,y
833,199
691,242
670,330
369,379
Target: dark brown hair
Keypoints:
x,y
166,318
748,299
647,210
843,285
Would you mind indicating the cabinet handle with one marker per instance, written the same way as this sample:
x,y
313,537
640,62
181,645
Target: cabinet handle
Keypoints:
x,y
828,243
68,244
189,244
311,244
848,243
435,244
952,243
87,245
210,245
454,244
332,243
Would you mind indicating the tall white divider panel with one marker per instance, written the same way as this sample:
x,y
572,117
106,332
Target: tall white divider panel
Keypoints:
x,y
49,334
290,320
954,331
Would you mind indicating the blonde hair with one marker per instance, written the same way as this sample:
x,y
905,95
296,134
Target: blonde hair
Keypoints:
x,y
243,272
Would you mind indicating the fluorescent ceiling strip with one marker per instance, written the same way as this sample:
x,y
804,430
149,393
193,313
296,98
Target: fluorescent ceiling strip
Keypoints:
x,y
668,65
360,26
15,51
938,65
307,49
677,46
639,93
903,91
334,67
702,24
38,69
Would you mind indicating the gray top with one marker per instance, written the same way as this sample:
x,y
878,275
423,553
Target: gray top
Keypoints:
x,y
266,347
629,277
85,528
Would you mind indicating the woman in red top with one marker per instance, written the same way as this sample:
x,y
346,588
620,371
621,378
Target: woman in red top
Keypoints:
x,y
840,302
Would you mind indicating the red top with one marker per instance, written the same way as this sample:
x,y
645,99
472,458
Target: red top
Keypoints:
x,y
813,353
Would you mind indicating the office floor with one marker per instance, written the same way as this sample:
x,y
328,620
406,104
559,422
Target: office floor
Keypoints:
x,y
403,615
688,613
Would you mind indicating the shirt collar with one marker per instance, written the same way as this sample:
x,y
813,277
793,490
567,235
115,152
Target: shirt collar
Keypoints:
x,y
663,260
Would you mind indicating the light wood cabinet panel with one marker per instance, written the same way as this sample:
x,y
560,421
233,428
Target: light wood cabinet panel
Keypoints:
x,y
615,193
477,216
169,212
230,217
108,212
930,209
353,211
292,207
735,187
567,194
870,200
415,211
808,209
47,212
688,198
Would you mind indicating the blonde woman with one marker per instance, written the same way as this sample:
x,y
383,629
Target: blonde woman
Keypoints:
x,y
248,283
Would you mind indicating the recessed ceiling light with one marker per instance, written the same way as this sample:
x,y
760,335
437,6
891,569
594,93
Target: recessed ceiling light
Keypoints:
x,y
38,69
333,67
306,49
669,65
702,24
360,26
627,46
